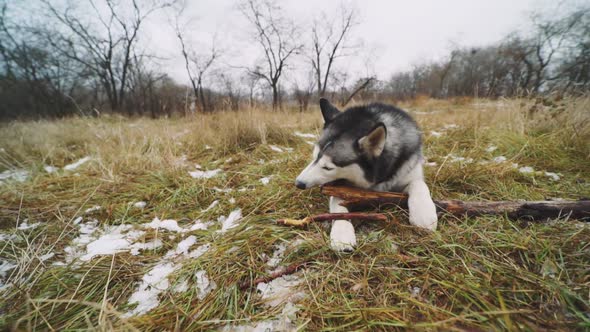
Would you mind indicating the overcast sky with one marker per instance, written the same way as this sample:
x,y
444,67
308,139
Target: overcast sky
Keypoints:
x,y
395,33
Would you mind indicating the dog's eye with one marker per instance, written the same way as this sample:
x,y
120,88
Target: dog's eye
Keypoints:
x,y
327,168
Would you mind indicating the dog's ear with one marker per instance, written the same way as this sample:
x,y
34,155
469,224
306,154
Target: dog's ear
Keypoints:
x,y
329,111
374,142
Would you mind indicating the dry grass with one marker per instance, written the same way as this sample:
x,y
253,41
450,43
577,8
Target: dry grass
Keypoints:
x,y
473,274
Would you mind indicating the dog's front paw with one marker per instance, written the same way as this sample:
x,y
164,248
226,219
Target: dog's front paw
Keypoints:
x,y
423,214
342,237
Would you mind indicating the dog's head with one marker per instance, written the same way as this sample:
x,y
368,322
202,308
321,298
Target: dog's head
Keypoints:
x,y
348,144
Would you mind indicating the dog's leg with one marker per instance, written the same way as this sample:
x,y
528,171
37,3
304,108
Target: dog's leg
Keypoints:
x,y
421,206
342,237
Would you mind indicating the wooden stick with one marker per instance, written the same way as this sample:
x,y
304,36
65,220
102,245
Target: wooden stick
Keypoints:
x,y
288,270
355,199
333,216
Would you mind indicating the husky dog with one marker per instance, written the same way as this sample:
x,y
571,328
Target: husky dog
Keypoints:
x,y
377,147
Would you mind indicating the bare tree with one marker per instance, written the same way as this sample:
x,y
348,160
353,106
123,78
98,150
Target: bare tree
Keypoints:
x,y
361,85
197,64
107,52
303,90
573,70
328,43
444,72
252,82
547,44
277,36
34,81
143,85
232,92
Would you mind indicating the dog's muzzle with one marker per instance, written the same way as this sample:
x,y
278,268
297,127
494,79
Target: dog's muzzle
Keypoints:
x,y
300,185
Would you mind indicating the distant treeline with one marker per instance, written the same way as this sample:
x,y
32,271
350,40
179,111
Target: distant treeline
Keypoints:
x,y
72,64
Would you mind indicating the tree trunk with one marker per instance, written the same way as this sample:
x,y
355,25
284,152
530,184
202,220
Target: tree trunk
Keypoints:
x,y
359,89
275,96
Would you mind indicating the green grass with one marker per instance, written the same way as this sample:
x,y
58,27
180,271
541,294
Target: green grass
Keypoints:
x,y
485,273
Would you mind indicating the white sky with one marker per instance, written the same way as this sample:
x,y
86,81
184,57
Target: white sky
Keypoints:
x,y
396,33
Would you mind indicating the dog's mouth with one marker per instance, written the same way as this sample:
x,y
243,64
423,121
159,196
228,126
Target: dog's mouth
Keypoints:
x,y
339,182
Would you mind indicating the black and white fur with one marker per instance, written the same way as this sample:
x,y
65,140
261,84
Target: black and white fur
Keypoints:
x,y
377,147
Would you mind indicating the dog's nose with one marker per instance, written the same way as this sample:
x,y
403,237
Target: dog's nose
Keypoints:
x,y
299,184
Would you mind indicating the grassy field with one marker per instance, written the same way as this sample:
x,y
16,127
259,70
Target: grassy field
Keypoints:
x,y
60,225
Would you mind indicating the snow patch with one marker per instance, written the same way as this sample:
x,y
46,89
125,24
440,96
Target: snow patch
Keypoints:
x,y
25,226
283,322
458,159
265,180
75,165
167,224
140,204
204,174
5,267
491,148
152,284
305,135
199,225
136,247
276,148
156,280
281,290
204,285
552,176
212,205
231,221
225,190
435,134
112,242
93,209
7,237
50,169
499,159
200,251
181,287
182,247
526,170
18,175
451,126
47,256
277,255
529,170
86,236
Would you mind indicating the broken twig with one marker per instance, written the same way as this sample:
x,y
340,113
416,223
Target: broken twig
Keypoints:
x,y
333,216
277,274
